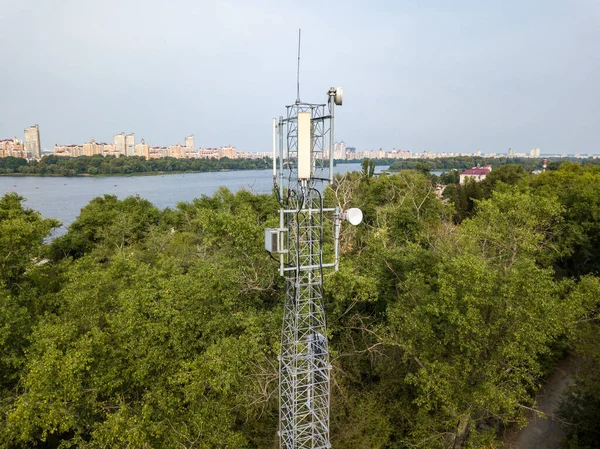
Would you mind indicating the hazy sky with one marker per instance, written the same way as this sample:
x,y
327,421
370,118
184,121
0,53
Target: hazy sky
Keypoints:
x,y
451,75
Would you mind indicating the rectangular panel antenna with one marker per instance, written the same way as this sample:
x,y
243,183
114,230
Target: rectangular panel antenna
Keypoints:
x,y
304,163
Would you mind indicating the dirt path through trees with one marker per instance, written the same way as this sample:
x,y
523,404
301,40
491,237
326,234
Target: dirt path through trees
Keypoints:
x,y
545,432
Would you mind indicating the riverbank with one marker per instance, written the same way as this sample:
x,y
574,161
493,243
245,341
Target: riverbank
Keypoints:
x,y
98,165
117,175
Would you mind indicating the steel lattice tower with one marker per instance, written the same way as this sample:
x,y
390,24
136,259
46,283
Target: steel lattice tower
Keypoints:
x,y
304,359
300,241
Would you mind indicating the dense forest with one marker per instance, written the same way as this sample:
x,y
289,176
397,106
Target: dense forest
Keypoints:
x,y
123,165
148,328
465,162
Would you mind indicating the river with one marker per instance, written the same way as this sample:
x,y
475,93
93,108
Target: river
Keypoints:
x,y
63,198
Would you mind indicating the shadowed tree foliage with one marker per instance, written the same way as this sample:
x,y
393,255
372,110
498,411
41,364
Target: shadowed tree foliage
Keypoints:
x,y
450,177
581,407
464,197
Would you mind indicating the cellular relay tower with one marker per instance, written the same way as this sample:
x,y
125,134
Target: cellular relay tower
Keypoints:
x,y
306,243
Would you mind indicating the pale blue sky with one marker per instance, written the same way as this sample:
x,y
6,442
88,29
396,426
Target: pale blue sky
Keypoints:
x,y
420,75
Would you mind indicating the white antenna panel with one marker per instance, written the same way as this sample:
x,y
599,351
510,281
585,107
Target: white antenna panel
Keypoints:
x,y
304,165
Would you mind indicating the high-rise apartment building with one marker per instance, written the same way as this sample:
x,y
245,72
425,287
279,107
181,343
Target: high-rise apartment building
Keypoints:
x,y
511,153
142,149
12,147
120,143
69,150
227,151
109,149
92,148
130,145
339,150
32,142
176,151
189,143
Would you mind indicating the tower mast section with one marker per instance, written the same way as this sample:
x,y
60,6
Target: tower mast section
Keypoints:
x,y
305,168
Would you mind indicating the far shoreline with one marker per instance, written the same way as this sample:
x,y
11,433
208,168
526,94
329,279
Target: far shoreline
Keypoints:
x,y
121,175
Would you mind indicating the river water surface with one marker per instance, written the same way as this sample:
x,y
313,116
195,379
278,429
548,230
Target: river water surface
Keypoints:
x,y
63,198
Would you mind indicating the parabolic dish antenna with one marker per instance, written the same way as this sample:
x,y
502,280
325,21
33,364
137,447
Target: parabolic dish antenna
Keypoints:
x,y
354,216
339,94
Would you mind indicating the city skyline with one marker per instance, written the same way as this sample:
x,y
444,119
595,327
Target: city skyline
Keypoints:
x,y
125,145
433,76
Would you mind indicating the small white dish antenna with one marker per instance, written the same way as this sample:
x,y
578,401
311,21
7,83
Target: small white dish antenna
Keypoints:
x,y
354,216
339,94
